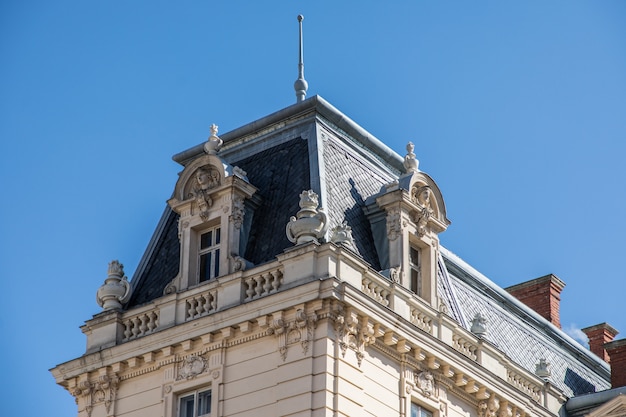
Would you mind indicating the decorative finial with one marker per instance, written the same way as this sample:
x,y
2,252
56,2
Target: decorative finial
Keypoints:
x,y
410,162
310,223
479,325
342,235
541,369
116,290
214,143
300,85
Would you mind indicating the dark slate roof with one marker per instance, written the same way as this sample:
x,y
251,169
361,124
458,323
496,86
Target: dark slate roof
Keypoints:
x,y
160,263
280,173
349,182
512,325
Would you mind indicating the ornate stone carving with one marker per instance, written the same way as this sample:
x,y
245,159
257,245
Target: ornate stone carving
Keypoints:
x,y
239,263
205,179
342,235
170,289
298,331
214,143
191,367
237,212
396,274
310,223
541,369
421,197
351,335
101,391
410,162
425,382
116,289
479,325
490,407
394,227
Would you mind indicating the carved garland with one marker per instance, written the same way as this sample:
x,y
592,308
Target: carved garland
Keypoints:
x,y
300,330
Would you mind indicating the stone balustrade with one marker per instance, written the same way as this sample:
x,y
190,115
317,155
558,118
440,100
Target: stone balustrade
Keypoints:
x,y
465,346
200,305
140,324
263,284
523,384
292,269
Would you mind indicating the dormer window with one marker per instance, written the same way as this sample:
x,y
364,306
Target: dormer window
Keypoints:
x,y
209,254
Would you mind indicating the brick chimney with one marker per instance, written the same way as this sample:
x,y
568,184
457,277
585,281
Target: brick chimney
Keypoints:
x,y
542,295
598,336
617,353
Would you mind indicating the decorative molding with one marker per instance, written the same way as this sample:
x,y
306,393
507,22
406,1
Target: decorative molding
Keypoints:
x,y
237,212
394,226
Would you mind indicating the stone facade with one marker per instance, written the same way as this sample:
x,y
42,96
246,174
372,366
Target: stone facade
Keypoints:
x,y
310,281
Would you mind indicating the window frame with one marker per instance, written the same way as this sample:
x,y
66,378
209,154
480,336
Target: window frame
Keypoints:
x,y
195,394
212,251
415,280
420,411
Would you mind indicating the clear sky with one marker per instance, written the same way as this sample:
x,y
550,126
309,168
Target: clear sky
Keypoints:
x,y
516,109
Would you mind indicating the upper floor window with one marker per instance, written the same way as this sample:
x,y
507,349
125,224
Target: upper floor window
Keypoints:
x,y
209,254
417,411
416,273
195,404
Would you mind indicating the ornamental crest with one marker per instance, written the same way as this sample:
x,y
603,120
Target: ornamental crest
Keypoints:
x,y
191,367
425,383
205,180
421,197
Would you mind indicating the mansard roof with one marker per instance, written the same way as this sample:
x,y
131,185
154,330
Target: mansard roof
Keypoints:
x,y
312,145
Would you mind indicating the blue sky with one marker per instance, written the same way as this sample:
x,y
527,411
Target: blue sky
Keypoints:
x,y
516,109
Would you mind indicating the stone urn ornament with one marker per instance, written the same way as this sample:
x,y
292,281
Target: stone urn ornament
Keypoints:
x,y
116,289
310,223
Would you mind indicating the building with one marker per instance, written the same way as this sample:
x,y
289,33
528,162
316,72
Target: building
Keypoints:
x,y
297,271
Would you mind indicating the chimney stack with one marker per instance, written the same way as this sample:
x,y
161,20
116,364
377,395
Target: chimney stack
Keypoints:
x,y
542,295
598,336
617,353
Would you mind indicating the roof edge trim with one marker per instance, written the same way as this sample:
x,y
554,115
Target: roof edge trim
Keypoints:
x,y
569,341
314,103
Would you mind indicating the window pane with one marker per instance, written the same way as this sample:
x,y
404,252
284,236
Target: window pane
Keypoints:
x,y
204,403
217,263
186,406
206,240
218,235
417,411
205,267
414,256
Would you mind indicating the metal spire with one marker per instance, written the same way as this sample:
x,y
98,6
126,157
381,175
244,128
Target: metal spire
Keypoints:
x,y
300,85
